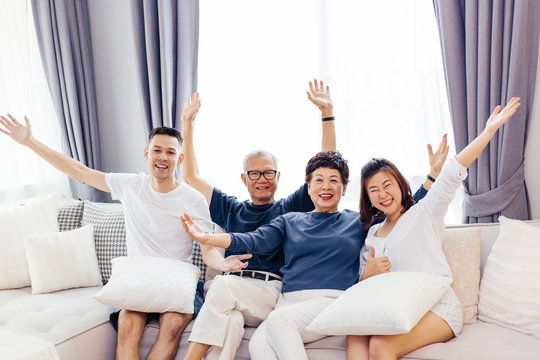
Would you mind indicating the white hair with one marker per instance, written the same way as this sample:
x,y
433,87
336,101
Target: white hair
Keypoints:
x,y
253,153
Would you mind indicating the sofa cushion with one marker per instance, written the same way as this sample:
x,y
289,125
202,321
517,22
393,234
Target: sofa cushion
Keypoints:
x,y
35,217
151,284
385,304
109,233
462,250
510,288
62,260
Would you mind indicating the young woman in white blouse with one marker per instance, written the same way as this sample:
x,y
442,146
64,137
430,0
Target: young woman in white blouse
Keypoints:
x,y
410,239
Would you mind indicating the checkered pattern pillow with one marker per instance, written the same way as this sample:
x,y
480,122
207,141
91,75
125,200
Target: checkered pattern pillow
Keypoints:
x,y
196,259
69,217
109,234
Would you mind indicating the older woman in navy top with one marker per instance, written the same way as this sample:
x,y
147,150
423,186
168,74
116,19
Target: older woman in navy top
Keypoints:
x,y
321,251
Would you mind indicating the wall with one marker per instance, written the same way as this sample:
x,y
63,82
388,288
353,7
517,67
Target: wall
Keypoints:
x,y
119,110
120,117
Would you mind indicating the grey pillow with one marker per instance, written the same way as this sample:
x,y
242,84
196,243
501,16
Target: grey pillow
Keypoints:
x,y
69,217
109,233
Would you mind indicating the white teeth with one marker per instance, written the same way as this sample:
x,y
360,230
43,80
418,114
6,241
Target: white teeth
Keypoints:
x,y
387,202
161,166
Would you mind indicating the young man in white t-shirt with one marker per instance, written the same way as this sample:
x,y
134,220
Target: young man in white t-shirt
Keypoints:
x,y
152,207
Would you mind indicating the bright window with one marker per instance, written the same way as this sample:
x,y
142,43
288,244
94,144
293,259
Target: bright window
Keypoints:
x,y
381,59
23,91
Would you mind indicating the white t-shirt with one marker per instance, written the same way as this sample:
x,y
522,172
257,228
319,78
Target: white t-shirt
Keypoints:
x,y
415,242
153,224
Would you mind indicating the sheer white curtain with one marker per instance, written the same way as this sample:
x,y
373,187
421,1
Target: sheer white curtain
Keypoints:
x,y
381,59
23,91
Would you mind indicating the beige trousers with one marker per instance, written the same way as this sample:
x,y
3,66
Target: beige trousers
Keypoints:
x,y
231,302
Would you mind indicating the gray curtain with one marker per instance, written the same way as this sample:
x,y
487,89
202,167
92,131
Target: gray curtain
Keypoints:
x,y
166,36
490,51
63,34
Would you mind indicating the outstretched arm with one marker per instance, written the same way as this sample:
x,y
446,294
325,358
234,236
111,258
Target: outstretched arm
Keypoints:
x,y
495,121
436,161
69,166
190,169
320,96
195,232
213,258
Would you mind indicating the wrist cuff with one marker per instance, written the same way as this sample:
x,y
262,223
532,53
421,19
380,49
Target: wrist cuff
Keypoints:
x,y
329,118
430,178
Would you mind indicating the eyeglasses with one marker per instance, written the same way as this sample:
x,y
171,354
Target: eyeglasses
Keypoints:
x,y
256,175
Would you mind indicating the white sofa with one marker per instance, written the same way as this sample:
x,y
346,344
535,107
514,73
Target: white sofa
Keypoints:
x,y
78,327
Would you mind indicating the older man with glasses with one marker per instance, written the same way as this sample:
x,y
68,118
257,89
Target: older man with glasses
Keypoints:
x,y
249,295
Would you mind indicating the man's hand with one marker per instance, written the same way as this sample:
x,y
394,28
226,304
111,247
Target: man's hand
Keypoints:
x,y
235,263
437,159
191,109
321,97
375,265
15,130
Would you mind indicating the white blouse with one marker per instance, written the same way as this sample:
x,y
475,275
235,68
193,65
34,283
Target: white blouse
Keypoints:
x,y
415,242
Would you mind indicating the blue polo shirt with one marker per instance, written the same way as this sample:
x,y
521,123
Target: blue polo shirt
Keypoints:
x,y
242,216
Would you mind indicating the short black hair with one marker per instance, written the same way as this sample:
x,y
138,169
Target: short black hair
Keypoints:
x,y
164,130
328,159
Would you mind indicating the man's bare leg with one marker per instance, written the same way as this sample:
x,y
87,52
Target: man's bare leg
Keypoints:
x,y
130,328
196,351
171,326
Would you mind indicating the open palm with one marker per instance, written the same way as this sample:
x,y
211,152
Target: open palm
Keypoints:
x,y
14,129
499,117
318,95
191,109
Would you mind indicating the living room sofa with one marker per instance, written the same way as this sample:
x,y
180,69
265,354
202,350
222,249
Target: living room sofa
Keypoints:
x,y
77,325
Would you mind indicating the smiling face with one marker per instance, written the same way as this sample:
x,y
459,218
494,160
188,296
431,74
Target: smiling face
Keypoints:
x,y
163,156
262,190
385,194
326,189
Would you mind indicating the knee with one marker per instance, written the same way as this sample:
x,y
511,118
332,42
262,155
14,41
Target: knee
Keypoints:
x,y
173,324
276,321
379,348
130,323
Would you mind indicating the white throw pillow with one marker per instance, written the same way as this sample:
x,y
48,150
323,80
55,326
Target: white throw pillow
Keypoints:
x,y
510,286
386,304
62,260
36,217
151,285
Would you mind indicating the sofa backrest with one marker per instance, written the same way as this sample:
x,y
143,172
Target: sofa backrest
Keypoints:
x,y
490,232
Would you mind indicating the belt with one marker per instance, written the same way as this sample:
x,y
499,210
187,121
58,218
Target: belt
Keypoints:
x,y
254,274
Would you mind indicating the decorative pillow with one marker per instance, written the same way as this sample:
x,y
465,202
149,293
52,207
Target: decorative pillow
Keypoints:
x,y
197,260
151,284
510,287
386,304
462,250
109,233
69,217
62,260
35,217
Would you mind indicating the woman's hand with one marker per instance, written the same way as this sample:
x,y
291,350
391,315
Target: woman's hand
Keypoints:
x,y
194,230
320,96
499,117
375,265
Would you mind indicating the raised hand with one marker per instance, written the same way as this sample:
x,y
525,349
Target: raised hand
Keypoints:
x,y
320,96
15,130
235,263
194,230
498,117
437,158
375,265
191,109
